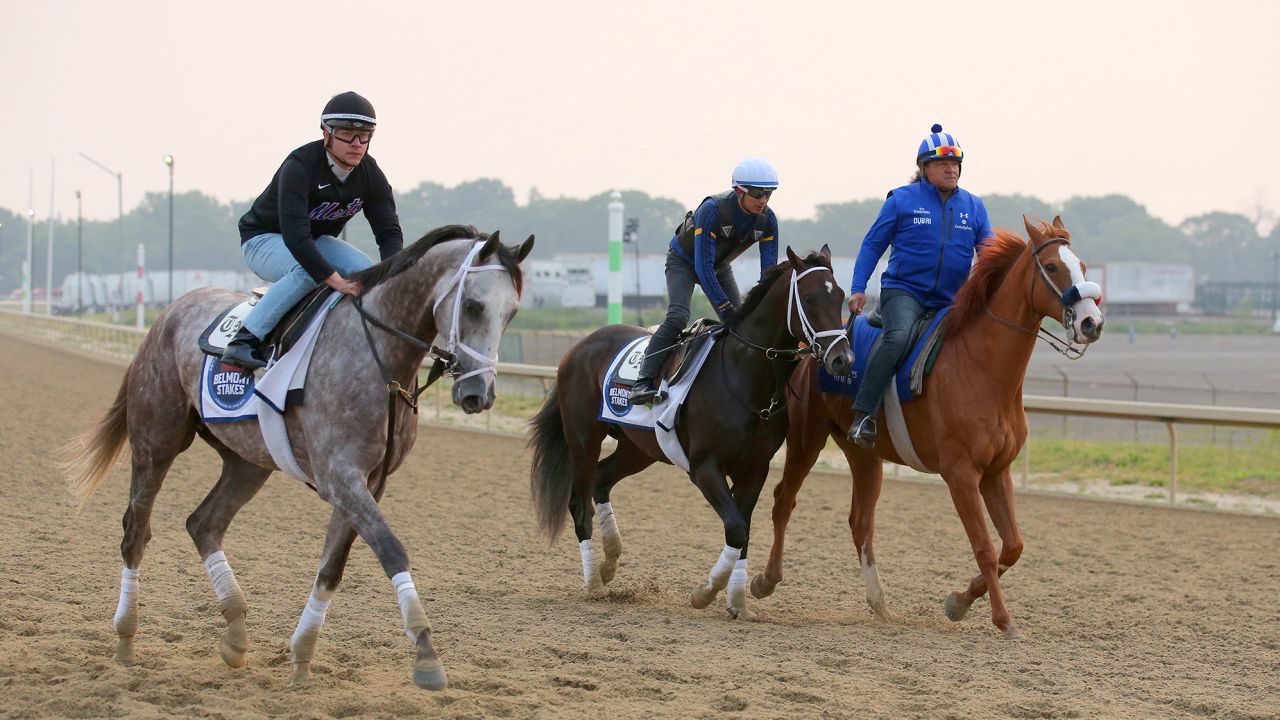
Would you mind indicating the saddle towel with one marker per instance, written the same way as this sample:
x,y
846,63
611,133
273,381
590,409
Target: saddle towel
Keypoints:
x,y
616,407
230,395
216,337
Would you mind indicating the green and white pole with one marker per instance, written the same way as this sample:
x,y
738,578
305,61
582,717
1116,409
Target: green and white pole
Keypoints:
x,y
616,209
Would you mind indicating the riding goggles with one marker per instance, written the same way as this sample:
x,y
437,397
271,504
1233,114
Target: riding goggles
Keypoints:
x,y
350,136
757,192
944,151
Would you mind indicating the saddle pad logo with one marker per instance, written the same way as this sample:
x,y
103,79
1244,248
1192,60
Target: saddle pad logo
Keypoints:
x,y
229,389
617,385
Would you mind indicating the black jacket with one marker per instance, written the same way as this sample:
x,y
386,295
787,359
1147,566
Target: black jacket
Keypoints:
x,y
305,200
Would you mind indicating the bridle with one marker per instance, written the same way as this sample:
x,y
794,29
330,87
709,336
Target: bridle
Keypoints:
x,y
811,336
1072,295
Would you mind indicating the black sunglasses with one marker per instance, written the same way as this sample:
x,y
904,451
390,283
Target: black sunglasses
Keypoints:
x,y
351,136
758,192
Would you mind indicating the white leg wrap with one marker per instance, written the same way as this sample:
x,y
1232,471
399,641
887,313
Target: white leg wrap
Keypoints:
x,y
127,608
415,618
312,616
723,568
588,562
871,579
736,597
224,580
608,524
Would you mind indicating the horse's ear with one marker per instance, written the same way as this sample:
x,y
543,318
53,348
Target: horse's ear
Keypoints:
x,y
523,250
825,252
1033,232
1057,222
489,247
795,261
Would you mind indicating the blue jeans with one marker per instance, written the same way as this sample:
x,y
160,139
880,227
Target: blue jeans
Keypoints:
x,y
899,311
271,260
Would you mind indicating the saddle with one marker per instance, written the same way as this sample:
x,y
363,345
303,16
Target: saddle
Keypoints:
x,y
286,332
702,330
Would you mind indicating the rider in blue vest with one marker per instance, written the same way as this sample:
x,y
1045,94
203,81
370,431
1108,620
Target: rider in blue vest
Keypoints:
x,y
722,227
291,234
934,227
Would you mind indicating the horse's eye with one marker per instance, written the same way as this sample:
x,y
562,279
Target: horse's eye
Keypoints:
x,y
472,307
1051,268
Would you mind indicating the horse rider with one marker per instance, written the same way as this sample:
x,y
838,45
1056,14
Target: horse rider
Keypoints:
x,y
721,228
935,227
290,234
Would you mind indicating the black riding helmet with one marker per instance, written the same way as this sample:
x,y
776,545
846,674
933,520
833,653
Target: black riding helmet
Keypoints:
x,y
348,109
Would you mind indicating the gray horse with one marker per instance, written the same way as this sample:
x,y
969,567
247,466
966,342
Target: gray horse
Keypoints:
x,y
340,436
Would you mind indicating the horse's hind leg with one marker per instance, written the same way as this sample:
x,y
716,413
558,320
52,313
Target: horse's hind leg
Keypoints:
x,y
153,453
626,460
240,481
997,493
333,562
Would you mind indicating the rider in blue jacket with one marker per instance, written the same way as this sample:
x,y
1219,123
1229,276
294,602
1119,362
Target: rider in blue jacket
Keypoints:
x,y
934,227
721,228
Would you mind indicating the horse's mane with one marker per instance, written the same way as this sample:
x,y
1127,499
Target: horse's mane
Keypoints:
x,y
994,260
767,279
409,256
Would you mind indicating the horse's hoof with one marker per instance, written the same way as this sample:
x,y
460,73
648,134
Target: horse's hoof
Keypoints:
x,y
955,607
702,596
761,588
428,671
880,609
301,674
124,651
1011,632
741,613
608,569
232,656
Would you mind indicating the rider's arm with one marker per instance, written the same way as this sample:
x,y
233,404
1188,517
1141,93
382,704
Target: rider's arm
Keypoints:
x,y
874,244
982,231
769,246
704,253
380,209
292,188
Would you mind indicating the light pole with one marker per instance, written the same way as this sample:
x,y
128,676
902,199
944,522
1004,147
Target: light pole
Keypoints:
x,y
26,265
168,160
115,307
79,258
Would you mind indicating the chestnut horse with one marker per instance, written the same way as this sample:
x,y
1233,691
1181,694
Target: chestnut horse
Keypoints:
x,y
969,425
733,424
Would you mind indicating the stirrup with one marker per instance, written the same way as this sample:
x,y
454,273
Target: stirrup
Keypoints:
x,y
645,393
863,432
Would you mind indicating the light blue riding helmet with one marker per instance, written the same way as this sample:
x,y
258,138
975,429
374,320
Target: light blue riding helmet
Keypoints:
x,y
939,145
755,172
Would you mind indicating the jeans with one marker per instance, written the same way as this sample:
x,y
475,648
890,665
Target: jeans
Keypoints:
x,y
681,278
271,260
899,311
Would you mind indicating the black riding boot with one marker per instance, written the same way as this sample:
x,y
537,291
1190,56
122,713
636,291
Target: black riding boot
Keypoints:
x,y
645,390
863,430
242,351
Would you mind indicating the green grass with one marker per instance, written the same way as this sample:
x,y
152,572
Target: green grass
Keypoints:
x,y
1253,469
1190,326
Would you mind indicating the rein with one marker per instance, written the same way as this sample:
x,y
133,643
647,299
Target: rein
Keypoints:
x,y
791,354
1067,348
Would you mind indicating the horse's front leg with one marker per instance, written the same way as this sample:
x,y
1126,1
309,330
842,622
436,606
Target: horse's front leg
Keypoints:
x,y
333,562
746,492
868,477
967,498
997,493
710,479
348,494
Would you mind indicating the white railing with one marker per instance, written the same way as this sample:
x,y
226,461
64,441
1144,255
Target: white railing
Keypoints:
x,y
122,341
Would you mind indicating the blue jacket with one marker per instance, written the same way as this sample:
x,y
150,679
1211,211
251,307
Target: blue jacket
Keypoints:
x,y
712,248
933,243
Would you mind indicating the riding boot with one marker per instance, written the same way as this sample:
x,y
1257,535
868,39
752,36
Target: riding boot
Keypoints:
x,y
645,390
863,430
242,351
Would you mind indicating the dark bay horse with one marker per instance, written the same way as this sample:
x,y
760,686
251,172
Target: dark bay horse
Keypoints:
x,y
730,430
969,425
454,282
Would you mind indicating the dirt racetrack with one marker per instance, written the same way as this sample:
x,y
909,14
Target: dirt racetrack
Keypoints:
x,y
1126,611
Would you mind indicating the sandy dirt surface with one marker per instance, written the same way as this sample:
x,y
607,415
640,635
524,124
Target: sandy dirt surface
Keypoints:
x,y
1126,611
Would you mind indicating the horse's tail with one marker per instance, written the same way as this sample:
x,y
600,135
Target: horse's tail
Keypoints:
x,y
91,455
551,475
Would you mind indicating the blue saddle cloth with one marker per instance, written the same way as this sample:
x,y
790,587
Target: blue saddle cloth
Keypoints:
x,y
862,337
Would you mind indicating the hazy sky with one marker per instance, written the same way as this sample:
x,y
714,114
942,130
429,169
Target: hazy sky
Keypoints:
x,y
1172,103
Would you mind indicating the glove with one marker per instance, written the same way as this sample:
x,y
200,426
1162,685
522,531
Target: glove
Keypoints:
x,y
725,310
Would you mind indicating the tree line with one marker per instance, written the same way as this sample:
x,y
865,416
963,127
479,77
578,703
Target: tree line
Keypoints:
x,y
1110,228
